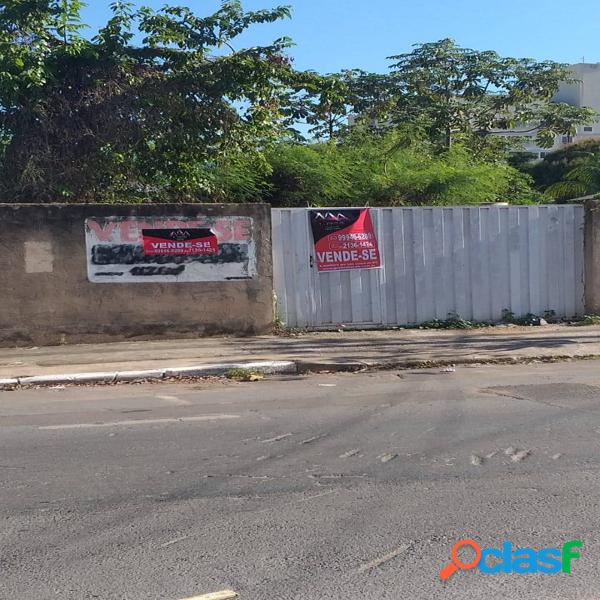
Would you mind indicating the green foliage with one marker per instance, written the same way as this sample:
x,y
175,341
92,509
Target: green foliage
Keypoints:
x,y
303,175
325,107
529,319
583,180
388,170
590,320
107,118
333,100
459,94
453,322
572,173
239,178
555,166
241,374
158,105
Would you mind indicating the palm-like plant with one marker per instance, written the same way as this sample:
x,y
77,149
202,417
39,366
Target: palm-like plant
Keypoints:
x,y
582,180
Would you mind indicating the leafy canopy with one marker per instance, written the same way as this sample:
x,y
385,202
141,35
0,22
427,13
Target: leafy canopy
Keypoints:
x,y
142,109
385,170
160,105
458,94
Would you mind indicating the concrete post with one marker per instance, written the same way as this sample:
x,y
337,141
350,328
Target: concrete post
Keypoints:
x,y
592,257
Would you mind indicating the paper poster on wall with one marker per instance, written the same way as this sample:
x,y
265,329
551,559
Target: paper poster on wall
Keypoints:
x,y
344,239
169,249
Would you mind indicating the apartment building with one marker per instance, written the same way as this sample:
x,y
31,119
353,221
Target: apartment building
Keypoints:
x,y
585,91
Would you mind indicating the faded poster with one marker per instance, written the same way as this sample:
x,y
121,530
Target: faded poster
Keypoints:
x,y
119,252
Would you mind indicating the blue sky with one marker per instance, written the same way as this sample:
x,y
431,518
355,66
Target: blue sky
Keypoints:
x,y
334,34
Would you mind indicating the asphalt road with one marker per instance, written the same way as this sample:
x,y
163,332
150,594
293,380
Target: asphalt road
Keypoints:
x,y
350,486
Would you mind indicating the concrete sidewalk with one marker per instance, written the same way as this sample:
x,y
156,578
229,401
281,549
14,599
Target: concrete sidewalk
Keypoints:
x,y
312,351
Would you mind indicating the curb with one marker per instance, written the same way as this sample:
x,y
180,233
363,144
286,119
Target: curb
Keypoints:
x,y
424,363
285,367
270,367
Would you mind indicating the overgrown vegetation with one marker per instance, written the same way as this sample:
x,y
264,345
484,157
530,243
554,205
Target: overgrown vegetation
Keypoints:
x,y
570,173
384,170
454,321
590,320
241,374
555,166
160,105
145,109
580,180
528,319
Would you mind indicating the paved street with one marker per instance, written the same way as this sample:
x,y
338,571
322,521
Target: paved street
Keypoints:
x,y
347,486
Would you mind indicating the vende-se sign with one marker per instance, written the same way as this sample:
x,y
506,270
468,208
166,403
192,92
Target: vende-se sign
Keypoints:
x,y
344,239
179,242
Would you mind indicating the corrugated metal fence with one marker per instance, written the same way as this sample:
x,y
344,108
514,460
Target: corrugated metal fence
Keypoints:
x,y
474,262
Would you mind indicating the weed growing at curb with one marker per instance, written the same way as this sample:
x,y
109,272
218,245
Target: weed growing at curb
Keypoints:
x,y
241,374
589,320
529,319
288,332
453,322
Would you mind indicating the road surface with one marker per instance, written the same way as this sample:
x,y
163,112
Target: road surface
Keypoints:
x,y
348,486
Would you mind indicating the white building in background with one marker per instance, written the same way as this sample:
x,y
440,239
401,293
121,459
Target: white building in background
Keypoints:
x,y
584,92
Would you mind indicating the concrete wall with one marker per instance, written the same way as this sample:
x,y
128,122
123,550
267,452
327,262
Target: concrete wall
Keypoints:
x,y
47,296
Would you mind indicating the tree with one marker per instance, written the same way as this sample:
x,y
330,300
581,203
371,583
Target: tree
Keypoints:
x,y
326,105
112,118
458,94
336,101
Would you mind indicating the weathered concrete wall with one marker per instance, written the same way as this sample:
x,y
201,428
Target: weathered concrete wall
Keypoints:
x,y
592,257
47,296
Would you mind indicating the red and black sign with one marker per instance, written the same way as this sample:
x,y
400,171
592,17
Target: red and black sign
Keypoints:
x,y
344,239
161,242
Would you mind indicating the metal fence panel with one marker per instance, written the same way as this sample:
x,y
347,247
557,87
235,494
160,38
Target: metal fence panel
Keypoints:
x,y
474,262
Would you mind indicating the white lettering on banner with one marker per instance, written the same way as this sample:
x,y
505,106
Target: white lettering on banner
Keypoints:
x,y
180,245
346,256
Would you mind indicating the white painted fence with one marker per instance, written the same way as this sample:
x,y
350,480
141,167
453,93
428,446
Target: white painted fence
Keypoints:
x,y
475,262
